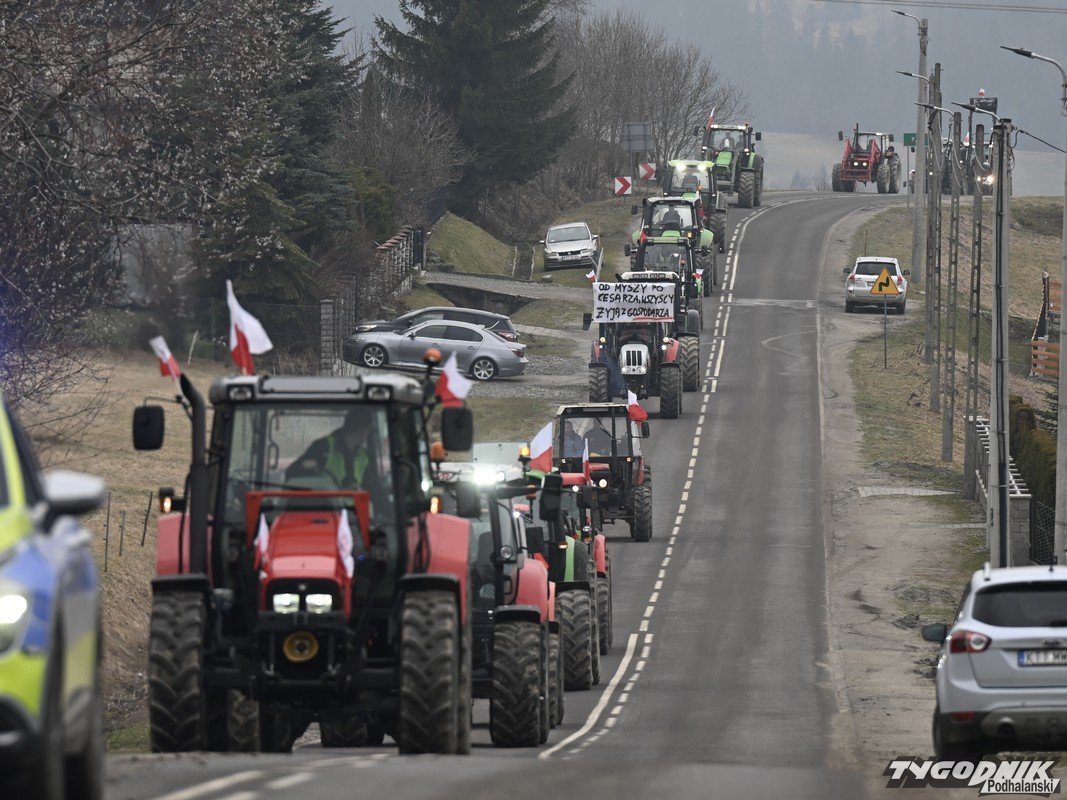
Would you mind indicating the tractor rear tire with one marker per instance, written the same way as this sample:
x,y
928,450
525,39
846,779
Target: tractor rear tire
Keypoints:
x,y
544,713
177,702
835,178
233,722
465,706
641,527
746,189
276,732
882,178
343,733
515,702
690,358
894,176
598,384
576,636
594,640
670,391
758,201
603,613
555,686
718,230
430,672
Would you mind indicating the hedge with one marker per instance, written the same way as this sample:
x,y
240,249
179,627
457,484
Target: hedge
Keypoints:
x,y
1034,451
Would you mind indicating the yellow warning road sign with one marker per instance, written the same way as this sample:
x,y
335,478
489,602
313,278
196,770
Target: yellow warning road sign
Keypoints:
x,y
885,284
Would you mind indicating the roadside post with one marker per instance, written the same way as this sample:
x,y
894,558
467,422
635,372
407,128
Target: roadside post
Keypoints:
x,y
885,287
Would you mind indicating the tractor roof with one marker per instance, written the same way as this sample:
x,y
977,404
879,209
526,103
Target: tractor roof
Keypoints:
x,y
650,276
578,408
690,163
672,200
284,388
729,127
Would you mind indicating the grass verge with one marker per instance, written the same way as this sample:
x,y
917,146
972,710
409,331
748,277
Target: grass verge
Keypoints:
x,y
510,418
609,218
470,248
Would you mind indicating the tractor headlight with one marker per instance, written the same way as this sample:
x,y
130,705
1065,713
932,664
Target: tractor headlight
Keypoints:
x,y
316,603
286,603
507,552
603,483
14,616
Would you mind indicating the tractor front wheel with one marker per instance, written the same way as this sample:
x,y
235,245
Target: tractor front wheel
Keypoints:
x,y
177,702
758,201
276,731
718,230
555,681
882,178
233,722
603,613
576,636
746,189
515,705
835,178
690,359
598,384
670,391
641,527
430,671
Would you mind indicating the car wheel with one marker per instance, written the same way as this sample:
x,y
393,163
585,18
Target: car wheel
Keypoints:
x,y
954,751
900,308
374,356
483,369
849,306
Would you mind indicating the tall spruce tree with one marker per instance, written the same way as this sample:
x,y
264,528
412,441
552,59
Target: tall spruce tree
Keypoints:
x,y
491,64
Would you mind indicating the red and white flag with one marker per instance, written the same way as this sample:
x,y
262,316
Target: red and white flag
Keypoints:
x,y
452,385
711,120
591,275
247,337
587,469
637,414
263,539
344,544
541,450
168,365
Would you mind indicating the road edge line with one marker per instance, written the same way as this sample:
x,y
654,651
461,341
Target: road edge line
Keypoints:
x,y
215,785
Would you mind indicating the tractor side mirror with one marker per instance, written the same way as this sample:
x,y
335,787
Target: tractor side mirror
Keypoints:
x,y
549,504
846,270
626,250
148,427
587,320
906,272
457,428
690,290
840,136
644,429
635,209
759,136
535,539
935,632
468,500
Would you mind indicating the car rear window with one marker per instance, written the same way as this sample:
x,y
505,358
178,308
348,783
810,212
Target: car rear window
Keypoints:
x,y
875,267
1040,604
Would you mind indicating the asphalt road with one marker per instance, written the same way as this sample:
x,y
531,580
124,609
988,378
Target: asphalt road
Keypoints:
x,y
719,684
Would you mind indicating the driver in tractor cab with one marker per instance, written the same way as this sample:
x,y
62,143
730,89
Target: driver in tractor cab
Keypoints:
x,y
345,455
672,219
573,442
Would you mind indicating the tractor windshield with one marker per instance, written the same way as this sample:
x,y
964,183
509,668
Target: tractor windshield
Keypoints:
x,y
723,140
327,446
606,436
672,215
661,258
483,549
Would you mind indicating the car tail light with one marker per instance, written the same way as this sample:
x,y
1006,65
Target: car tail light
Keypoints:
x,y
968,642
519,351
900,281
961,716
852,278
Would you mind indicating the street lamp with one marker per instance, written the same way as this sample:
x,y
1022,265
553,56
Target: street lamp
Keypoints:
x,y
1061,385
919,210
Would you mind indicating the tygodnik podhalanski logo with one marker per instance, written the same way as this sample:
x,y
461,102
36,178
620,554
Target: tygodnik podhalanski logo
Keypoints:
x,y
1016,776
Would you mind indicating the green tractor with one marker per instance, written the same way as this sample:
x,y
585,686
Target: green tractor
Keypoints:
x,y
697,266
738,167
671,216
695,180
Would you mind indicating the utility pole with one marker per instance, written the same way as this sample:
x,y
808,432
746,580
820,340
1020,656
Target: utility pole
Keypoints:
x,y
933,243
974,317
919,181
1000,550
948,410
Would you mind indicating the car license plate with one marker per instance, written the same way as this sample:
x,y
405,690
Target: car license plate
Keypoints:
x,y
1043,658
570,258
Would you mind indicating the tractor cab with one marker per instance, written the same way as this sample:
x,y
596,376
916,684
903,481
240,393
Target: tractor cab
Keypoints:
x,y
737,169
670,218
306,532
616,464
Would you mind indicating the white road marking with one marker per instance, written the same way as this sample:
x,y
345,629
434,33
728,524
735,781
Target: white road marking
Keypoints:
x,y
610,722
654,598
618,709
240,796
649,609
623,698
640,665
605,698
216,785
289,780
665,562
648,638
646,651
685,496
644,625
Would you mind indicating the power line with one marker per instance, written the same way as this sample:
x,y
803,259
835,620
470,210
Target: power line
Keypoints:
x,y
953,5
1038,138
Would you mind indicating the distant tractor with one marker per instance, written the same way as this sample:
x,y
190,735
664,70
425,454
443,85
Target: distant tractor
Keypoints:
x,y
869,157
738,167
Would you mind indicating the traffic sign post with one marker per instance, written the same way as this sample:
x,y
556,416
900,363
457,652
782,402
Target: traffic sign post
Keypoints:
x,y
886,287
646,172
623,186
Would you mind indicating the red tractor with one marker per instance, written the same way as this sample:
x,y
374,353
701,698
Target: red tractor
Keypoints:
x,y
517,661
307,574
869,156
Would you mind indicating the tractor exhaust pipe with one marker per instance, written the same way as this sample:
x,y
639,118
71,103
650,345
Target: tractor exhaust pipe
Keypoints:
x,y
198,485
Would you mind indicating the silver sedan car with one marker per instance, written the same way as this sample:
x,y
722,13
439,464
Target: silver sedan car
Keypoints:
x,y
480,353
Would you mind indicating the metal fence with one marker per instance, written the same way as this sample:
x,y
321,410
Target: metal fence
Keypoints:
x,y
1042,532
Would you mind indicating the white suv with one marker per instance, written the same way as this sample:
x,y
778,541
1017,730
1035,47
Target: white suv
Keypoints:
x,y
1002,675
861,279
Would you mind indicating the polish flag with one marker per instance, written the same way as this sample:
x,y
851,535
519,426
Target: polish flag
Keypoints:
x,y
247,337
591,275
452,386
263,539
168,365
637,414
711,120
344,544
587,469
541,450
